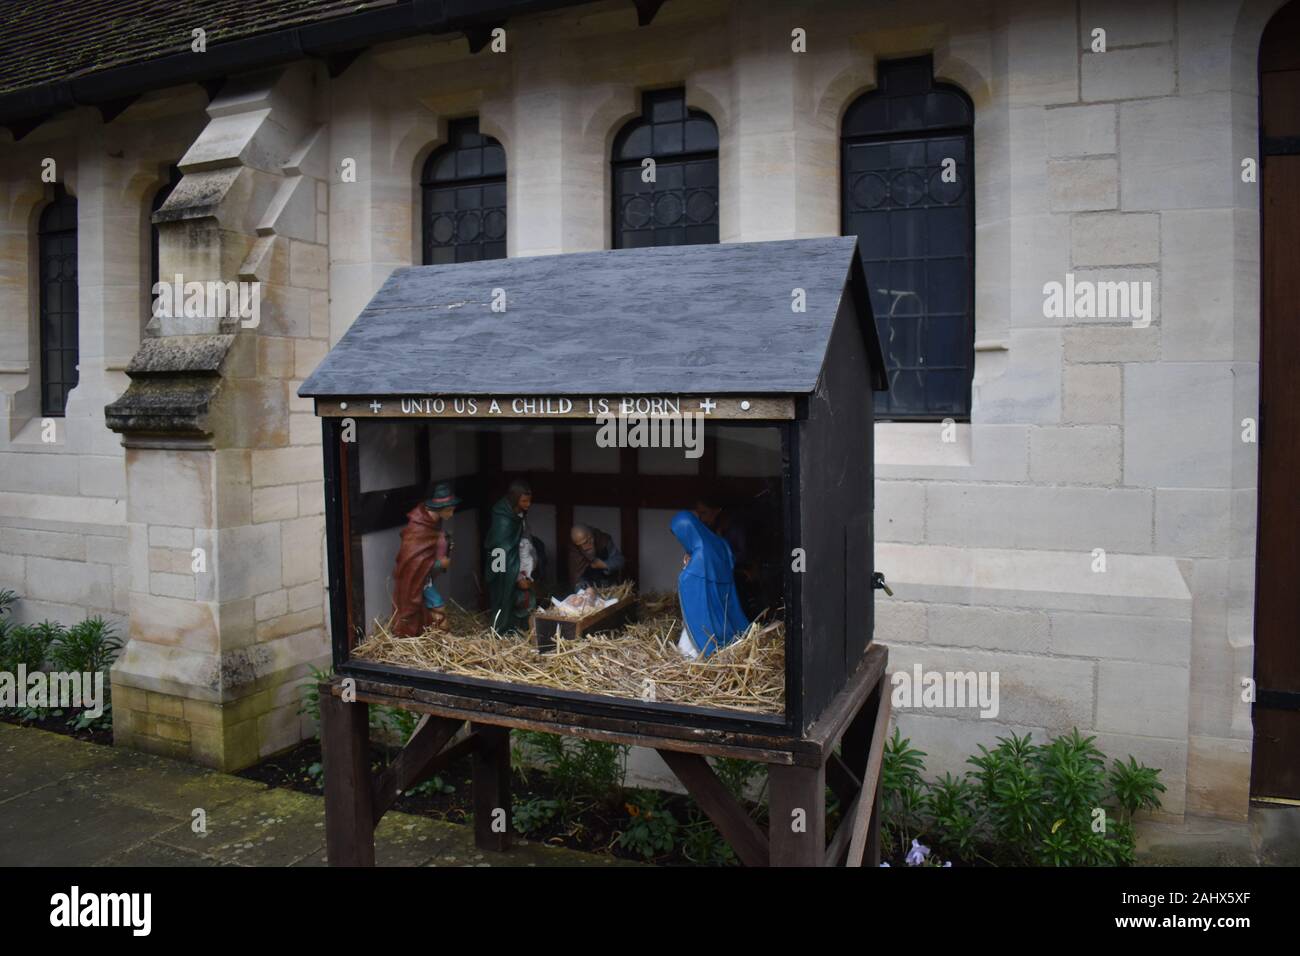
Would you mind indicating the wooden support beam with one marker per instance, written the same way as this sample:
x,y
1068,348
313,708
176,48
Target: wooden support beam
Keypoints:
x,y
345,751
491,780
726,812
412,764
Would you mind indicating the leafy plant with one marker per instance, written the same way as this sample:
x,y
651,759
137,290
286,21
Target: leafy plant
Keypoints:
x,y
395,723
903,796
431,785
737,774
1135,787
533,814
1023,804
309,704
651,828
577,768
89,646
955,815
702,844
28,645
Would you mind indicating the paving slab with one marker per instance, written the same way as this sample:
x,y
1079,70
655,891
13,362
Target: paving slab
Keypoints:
x,y
60,824
155,853
165,786
34,758
65,802
271,828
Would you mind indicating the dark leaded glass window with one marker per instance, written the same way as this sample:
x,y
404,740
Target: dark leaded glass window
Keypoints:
x,y
680,208
57,248
464,185
908,196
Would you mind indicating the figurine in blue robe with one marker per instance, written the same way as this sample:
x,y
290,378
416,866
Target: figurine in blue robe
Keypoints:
x,y
706,589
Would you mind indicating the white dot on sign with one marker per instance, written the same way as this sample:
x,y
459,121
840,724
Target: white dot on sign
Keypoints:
x,y
744,406
343,406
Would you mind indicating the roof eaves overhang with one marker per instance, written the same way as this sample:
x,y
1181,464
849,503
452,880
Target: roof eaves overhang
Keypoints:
x,y
23,110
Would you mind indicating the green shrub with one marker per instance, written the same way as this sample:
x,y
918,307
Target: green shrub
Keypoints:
x,y
737,774
309,705
533,814
1024,804
702,844
29,645
577,767
903,794
89,646
651,829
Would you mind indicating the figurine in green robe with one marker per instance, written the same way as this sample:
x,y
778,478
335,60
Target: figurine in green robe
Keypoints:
x,y
508,561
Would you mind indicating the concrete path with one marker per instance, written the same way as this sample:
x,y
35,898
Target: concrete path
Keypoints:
x,y
64,802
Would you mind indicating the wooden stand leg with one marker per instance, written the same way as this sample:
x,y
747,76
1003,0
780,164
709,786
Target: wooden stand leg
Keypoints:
x,y
491,777
349,800
797,815
855,748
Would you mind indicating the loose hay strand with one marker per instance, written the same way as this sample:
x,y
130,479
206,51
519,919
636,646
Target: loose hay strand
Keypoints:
x,y
747,675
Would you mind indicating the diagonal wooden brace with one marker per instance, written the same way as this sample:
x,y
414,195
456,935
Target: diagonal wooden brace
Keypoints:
x,y
860,823
726,812
422,755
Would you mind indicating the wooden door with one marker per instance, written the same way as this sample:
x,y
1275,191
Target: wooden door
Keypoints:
x,y
1275,770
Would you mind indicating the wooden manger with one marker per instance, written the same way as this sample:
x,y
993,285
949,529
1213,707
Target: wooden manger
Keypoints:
x,y
548,625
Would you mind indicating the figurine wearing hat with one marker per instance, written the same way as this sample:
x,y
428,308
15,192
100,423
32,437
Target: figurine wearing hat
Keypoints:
x,y
425,553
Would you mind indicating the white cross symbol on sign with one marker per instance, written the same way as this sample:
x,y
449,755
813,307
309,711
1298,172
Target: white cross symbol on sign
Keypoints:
x,y
708,405
375,406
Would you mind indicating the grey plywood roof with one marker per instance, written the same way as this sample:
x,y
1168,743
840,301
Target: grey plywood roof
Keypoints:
x,y
682,319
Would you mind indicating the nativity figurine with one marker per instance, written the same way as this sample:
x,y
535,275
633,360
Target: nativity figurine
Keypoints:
x,y
706,589
509,561
423,555
594,557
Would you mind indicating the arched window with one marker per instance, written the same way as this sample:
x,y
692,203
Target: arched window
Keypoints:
x,y
908,195
160,197
464,185
680,207
57,250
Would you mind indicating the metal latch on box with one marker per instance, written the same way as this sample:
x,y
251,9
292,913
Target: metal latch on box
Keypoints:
x,y
878,582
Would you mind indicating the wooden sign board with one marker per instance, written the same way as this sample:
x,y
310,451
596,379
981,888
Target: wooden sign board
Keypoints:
x,y
730,407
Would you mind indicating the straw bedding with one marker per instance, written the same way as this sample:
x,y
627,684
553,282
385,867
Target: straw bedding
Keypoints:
x,y
747,675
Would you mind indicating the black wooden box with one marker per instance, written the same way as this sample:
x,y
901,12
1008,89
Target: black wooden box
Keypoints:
x,y
479,372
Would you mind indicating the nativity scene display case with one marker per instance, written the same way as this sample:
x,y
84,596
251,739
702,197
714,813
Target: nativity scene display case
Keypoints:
x,y
642,492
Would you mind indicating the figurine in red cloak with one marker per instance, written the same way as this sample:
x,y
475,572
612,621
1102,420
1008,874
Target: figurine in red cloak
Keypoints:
x,y
424,554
